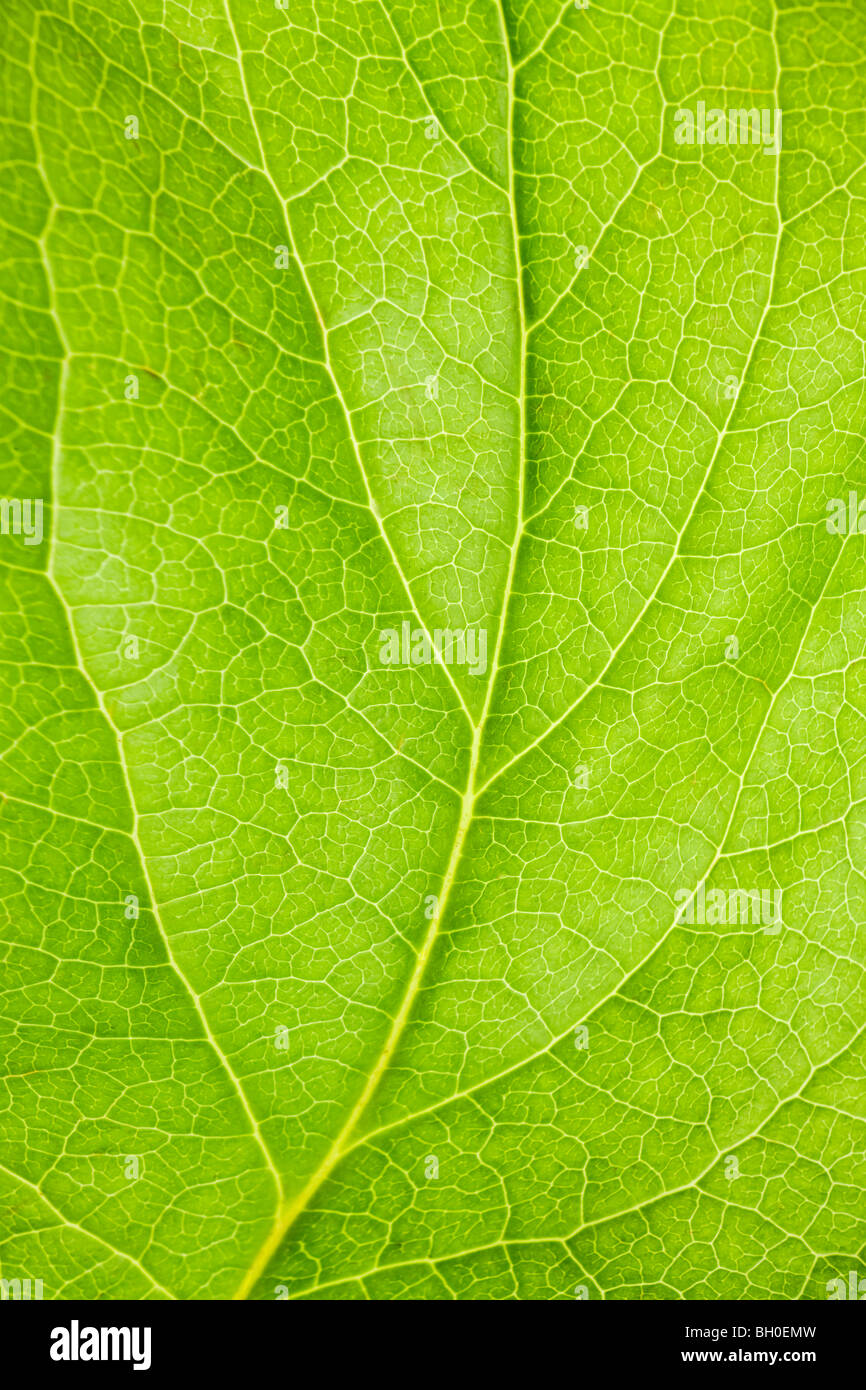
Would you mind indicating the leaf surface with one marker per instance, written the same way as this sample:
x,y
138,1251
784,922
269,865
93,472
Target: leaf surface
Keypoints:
x,y
329,977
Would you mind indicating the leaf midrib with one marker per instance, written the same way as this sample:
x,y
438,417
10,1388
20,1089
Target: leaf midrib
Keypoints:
x,y
289,1213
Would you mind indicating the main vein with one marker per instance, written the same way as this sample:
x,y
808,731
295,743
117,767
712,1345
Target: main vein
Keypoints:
x,y
289,1212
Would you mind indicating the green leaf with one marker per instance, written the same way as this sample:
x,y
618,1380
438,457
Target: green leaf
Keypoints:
x,y
334,966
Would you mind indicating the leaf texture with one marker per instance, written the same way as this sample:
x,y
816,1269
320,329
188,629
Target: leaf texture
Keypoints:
x,y
330,977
